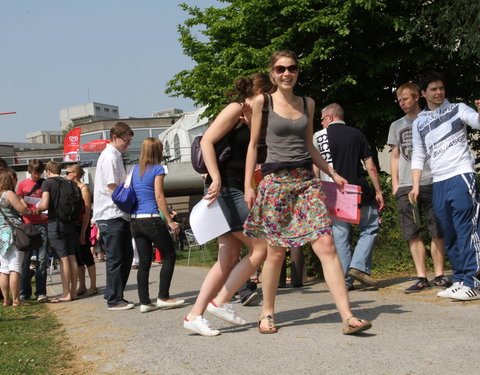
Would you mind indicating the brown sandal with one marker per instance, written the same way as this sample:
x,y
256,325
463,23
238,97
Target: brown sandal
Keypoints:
x,y
270,326
348,329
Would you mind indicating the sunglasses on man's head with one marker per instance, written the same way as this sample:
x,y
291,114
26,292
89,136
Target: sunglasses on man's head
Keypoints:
x,y
279,69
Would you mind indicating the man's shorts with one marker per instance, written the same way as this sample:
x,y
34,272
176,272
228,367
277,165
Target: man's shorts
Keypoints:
x,y
410,230
62,238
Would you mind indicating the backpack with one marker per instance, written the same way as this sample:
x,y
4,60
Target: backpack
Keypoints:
x,y
69,203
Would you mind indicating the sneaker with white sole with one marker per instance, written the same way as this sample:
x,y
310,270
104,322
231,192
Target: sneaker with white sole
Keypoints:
x,y
201,326
252,299
226,312
465,293
447,293
122,305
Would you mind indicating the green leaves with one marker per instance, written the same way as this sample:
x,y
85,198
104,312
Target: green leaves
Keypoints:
x,y
354,52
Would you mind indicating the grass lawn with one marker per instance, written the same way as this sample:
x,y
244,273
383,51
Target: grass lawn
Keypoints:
x,y
32,341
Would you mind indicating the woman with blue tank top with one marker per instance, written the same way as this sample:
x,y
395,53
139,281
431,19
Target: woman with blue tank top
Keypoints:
x,y
288,208
148,227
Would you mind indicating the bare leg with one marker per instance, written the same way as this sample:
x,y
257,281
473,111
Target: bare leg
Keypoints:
x,y
438,255
92,275
65,275
417,248
271,274
228,254
15,287
242,271
5,287
324,248
72,262
82,288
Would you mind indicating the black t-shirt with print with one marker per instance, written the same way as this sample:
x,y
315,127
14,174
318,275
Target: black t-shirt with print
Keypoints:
x,y
348,147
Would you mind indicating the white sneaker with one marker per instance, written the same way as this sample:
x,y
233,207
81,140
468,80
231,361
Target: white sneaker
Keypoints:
x,y
201,326
148,308
465,293
169,305
447,293
227,313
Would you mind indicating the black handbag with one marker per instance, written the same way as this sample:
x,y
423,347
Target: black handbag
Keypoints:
x,y
222,152
26,237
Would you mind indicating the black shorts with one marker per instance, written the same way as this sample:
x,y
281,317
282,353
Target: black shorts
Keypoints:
x,y
410,230
62,238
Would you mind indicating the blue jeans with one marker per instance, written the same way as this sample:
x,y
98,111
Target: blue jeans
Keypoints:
x,y
119,253
362,256
40,268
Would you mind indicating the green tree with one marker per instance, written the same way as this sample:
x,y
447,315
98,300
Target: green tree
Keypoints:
x,y
353,52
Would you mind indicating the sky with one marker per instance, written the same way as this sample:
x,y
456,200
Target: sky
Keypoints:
x,y
61,53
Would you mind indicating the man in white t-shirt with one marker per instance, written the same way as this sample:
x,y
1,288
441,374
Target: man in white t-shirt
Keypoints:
x,y
439,133
111,221
400,139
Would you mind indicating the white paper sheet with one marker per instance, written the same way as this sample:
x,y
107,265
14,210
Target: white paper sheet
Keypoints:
x,y
208,222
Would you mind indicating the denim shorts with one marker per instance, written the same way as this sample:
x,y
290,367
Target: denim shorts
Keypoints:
x,y
232,203
62,238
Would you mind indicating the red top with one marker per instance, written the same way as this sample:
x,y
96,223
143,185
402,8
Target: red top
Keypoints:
x,y
23,188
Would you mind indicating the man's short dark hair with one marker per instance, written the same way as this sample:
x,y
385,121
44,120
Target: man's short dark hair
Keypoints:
x,y
36,165
120,129
429,77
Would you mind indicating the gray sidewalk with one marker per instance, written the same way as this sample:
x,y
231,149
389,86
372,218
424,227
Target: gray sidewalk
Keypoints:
x,y
411,334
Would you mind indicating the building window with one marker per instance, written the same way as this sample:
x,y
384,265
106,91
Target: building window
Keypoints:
x,y
53,139
97,107
106,109
115,111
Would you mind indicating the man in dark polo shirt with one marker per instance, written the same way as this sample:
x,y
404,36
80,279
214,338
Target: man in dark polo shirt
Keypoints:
x,y
347,149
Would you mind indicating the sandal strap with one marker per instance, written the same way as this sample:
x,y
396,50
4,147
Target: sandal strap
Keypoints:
x,y
270,320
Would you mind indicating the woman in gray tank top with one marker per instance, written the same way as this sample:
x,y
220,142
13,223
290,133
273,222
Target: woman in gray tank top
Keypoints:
x,y
288,208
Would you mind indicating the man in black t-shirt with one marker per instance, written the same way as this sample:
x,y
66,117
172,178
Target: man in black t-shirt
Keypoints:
x,y
347,149
61,235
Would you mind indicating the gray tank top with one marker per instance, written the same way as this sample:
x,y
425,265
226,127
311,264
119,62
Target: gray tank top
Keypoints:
x,y
285,138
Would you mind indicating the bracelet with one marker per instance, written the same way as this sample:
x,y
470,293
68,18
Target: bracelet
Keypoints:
x,y
331,174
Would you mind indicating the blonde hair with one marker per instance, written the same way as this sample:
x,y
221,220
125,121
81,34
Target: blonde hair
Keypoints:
x,y
77,169
413,87
151,153
6,181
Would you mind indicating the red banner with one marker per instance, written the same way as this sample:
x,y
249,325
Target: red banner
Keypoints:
x,y
71,144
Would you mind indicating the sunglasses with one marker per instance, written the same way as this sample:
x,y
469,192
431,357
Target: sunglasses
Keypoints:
x,y
279,69
127,141
68,172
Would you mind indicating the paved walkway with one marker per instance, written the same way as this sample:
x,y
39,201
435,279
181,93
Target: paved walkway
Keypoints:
x,y
414,334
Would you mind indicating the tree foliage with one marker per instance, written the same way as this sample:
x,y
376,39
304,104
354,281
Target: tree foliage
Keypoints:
x,y
353,52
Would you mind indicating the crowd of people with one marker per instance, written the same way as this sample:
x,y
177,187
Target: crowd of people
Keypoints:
x,y
432,172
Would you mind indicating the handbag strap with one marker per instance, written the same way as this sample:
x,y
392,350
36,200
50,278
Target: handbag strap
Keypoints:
x,y
7,219
128,179
35,187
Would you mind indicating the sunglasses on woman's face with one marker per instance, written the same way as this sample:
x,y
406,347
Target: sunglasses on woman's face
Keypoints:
x,y
279,69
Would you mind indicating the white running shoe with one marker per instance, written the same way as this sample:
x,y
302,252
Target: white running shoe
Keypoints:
x,y
227,313
465,293
201,326
447,293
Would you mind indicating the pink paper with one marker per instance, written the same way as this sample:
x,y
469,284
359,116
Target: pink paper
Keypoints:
x,y
343,206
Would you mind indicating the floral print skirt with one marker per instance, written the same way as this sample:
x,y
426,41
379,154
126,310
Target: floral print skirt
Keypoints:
x,y
289,210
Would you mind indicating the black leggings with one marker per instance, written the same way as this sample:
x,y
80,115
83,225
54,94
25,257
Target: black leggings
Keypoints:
x,y
146,231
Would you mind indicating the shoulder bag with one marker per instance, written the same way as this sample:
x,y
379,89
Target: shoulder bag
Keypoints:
x,y
124,196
